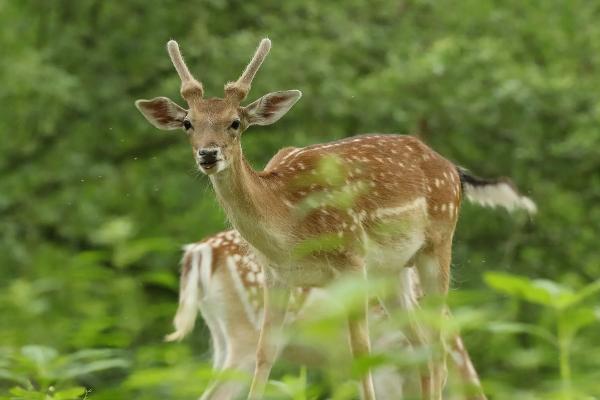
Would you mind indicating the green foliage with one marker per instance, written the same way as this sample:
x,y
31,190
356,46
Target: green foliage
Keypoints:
x,y
570,313
41,373
94,203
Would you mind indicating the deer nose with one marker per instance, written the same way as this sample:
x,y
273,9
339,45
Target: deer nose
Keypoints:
x,y
208,156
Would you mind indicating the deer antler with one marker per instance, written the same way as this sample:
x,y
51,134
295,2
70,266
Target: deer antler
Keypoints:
x,y
191,89
239,89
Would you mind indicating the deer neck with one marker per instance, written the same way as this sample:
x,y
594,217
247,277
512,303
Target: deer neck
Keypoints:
x,y
251,205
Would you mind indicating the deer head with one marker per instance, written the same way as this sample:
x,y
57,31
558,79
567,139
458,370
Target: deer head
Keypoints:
x,y
214,126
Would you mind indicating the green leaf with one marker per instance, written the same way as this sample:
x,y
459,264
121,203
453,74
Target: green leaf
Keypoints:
x,y
70,393
585,292
161,278
114,231
95,366
516,327
23,394
40,355
132,251
540,291
324,243
13,377
577,319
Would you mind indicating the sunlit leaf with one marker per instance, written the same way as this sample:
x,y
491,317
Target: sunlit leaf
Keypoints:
x,y
516,327
23,394
540,291
8,375
69,394
132,251
91,367
579,318
40,355
114,231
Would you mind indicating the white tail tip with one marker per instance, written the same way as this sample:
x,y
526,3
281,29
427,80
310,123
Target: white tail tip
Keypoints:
x,y
197,259
500,194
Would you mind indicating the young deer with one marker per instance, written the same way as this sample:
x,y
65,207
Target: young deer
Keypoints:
x,y
393,202
222,278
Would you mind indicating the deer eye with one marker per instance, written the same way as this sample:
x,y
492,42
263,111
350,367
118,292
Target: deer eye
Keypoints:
x,y
187,124
235,124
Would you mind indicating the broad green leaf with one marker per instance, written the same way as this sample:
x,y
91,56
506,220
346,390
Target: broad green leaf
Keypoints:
x,y
540,291
114,231
8,375
586,292
23,394
321,244
132,251
578,318
69,394
40,355
516,327
93,366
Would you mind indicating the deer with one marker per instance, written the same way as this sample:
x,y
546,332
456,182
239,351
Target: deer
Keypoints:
x,y
222,279
392,203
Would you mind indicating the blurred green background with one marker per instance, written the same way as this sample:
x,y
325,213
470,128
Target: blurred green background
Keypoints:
x,y
95,203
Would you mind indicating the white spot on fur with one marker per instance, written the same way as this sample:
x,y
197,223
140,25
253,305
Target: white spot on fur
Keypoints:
x,y
288,203
391,211
291,153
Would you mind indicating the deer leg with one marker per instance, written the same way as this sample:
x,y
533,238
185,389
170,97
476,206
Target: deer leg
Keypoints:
x,y
219,343
468,375
360,345
416,334
240,343
275,306
219,350
241,360
433,268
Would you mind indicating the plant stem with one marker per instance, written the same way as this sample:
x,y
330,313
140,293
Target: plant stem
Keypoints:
x,y
564,344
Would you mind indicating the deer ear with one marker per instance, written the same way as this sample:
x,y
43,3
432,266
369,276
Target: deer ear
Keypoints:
x,y
162,112
271,107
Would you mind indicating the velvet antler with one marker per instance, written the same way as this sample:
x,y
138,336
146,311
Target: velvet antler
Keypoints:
x,y
191,89
239,89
